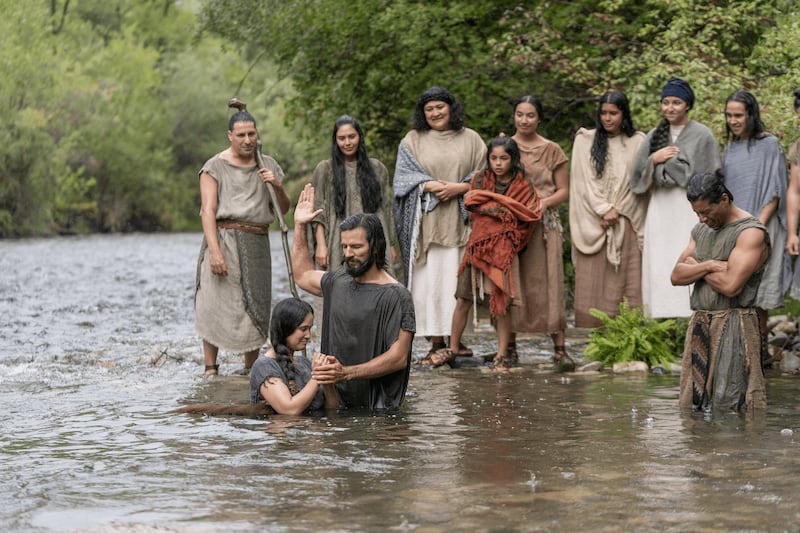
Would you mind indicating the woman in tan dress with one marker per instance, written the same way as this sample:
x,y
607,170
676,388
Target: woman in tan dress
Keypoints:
x,y
541,265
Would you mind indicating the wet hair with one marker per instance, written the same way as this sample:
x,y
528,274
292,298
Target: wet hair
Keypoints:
x,y
241,116
708,186
512,149
755,126
680,89
287,316
373,230
796,94
418,120
599,150
527,99
371,194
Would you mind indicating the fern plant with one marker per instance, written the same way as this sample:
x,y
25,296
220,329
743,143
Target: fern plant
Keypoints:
x,y
631,336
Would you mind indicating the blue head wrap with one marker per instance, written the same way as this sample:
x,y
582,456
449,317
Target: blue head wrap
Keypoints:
x,y
680,89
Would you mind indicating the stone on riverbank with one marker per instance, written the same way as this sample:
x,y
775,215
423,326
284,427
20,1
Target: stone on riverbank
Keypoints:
x,y
630,366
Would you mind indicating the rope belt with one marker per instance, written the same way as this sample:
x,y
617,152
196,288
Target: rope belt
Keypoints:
x,y
241,225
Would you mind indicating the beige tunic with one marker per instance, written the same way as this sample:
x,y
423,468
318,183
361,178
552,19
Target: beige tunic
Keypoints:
x,y
220,314
607,261
448,156
541,264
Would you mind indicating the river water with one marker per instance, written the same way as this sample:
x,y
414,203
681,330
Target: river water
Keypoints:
x,y
97,347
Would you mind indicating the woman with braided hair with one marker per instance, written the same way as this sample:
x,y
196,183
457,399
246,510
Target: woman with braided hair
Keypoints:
x,y
280,382
669,155
279,378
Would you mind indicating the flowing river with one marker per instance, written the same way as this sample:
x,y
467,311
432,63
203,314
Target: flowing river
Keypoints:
x,y
97,347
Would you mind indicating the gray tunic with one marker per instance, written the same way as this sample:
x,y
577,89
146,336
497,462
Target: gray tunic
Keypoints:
x,y
721,366
755,173
322,180
718,244
360,322
699,152
267,367
232,312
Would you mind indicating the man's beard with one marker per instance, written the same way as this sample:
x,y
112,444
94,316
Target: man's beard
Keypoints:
x,y
361,269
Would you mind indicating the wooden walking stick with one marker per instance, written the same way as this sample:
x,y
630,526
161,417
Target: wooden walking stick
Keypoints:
x,y
241,106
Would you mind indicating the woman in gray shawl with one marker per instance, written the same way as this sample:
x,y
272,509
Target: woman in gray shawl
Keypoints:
x,y
669,155
434,161
793,203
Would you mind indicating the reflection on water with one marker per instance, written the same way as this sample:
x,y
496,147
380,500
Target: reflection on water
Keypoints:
x,y
98,347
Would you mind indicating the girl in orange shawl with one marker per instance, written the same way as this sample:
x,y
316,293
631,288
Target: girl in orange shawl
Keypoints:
x,y
503,208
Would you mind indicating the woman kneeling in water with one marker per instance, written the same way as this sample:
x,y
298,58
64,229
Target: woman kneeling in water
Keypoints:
x,y
280,382
281,379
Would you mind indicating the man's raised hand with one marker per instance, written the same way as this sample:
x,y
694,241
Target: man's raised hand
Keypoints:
x,y
304,211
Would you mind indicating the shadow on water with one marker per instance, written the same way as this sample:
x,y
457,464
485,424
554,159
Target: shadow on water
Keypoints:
x,y
98,348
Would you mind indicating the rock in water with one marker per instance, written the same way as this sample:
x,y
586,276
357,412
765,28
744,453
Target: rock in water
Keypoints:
x,y
631,366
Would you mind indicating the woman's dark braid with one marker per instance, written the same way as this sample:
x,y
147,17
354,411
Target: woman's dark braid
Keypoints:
x,y
660,137
284,358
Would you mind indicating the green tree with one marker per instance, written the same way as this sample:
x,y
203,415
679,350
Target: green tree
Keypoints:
x,y
372,59
111,107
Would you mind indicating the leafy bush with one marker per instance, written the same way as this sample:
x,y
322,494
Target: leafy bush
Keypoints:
x,y
631,336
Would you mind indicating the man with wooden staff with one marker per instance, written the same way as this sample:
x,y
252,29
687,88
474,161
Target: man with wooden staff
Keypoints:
x,y
234,273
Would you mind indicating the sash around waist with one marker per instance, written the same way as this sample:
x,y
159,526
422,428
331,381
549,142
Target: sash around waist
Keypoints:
x,y
241,225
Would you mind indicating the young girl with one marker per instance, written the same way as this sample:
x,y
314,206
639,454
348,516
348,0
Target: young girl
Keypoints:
x,y
503,210
280,382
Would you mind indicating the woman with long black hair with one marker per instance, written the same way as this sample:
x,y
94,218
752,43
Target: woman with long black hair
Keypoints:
x,y
348,183
280,380
606,218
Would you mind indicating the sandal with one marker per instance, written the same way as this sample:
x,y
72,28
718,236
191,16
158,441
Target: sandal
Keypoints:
x,y
512,353
463,351
502,363
438,358
561,360
435,347
212,370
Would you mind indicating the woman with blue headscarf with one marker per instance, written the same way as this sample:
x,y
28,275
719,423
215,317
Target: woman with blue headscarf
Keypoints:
x,y
670,154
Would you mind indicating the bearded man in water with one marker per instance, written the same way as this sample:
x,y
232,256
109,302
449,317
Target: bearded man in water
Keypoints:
x,y
368,317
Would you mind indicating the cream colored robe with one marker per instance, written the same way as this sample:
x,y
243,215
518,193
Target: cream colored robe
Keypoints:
x,y
591,198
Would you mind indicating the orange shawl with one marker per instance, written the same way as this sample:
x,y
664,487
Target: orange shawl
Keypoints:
x,y
502,225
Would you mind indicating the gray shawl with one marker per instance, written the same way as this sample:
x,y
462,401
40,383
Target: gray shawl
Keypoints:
x,y
409,203
699,152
